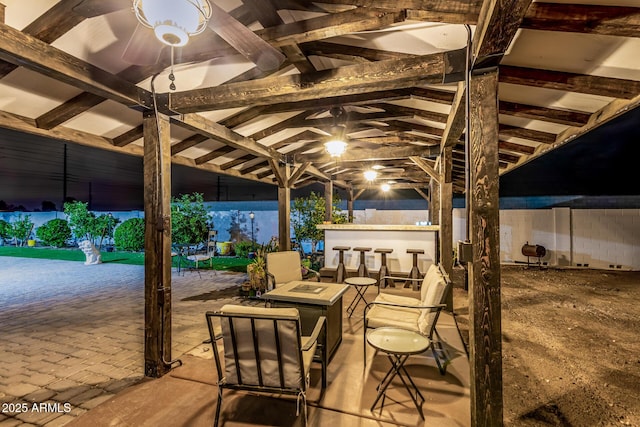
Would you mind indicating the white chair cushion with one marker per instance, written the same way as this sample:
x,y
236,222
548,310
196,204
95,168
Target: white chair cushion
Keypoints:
x,y
381,315
398,299
432,273
432,297
285,266
288,338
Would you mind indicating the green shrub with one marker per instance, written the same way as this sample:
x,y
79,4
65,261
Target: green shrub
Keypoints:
x,y
54,233
189,219
129,236
5,230
21,228
243,248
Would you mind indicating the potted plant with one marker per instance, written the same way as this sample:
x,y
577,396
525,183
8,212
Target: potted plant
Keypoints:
x,y
257,270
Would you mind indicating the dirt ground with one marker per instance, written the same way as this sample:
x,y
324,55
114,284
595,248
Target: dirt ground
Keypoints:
x,y
571,347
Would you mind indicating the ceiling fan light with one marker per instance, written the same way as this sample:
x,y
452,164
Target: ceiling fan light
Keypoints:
x,y
370,174
385,187
335,147
173,21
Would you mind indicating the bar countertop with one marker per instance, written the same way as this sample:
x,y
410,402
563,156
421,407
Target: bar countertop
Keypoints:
x,y
379,227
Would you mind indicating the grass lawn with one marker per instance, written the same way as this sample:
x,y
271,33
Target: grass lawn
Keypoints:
x,y
135,258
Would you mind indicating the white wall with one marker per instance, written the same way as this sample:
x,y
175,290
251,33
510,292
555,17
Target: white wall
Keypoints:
x,y
594,238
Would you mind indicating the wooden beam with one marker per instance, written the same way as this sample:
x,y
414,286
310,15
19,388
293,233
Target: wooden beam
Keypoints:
x,y
531,134
68,110
279,172
497,25
217,132
128,137
570,82
328,201
218,152
422,194
485,337
425,166
29,52
297,173
552,115
456,121
284,210
350,53
157,244
360,78
583,18
397,186
186,143
382,153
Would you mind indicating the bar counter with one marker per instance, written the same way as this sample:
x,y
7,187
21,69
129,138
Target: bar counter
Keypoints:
x,y
398,237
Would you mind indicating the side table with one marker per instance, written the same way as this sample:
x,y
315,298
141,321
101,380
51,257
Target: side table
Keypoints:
x,y
398,344
360,284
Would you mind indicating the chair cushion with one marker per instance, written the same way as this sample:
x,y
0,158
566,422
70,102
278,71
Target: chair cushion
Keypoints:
x,y
432,273
285,266
433,296
404,318
399,299
245,350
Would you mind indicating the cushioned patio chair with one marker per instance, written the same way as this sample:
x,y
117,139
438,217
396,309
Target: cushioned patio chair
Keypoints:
x,y
284,267
416,314
264,351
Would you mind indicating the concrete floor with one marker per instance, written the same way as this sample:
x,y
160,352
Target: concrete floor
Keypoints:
x,y
72,354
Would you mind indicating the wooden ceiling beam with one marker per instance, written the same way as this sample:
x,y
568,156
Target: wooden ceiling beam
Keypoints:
x,y
238,161
189,142
518,148
410,112
48,27
570,82
291,122
350,53
426,166
381,153
456,7
552,115
583,18
31,53
217,132
253,168
218,152
530,134
456,121
129,136
360,78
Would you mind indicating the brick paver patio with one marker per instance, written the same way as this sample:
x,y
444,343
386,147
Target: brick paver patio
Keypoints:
x,y
72,335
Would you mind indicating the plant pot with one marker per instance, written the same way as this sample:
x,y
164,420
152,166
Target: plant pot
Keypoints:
x,y
31,242
224,248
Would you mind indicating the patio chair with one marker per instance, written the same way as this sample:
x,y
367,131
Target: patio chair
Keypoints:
x,y
284,267
264,352
416,314
198,255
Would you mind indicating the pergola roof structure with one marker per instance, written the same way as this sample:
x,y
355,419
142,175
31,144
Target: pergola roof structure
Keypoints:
x,y
537,75
396,68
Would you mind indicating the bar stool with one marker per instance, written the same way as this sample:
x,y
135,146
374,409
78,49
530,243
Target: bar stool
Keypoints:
x,y
341,271
415,271
384,271
362,268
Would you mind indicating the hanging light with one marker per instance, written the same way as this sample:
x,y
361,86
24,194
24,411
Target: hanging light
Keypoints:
x,y
173,21
385,187
335,147
370,174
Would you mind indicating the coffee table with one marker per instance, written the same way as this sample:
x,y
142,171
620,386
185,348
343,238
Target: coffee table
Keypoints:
x,y
361,284
313,299
398,344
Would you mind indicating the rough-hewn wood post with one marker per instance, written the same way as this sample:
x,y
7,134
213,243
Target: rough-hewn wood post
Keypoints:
x,y
284,210
446,215
328,201
157,244
434,202
350,205
484,271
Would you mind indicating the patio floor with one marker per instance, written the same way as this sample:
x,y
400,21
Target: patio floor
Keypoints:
x,y
72,334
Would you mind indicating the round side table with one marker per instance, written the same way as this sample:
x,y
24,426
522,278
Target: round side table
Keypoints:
x,y
360,284
398,344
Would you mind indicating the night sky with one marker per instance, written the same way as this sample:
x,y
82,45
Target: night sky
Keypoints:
x,y
31,171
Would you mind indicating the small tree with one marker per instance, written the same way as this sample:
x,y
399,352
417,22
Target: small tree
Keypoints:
x,y
308,212
82,222
189,219
106,223
129,236
21,229
54,233
5,230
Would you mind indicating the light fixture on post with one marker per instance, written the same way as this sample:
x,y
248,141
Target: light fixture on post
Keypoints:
x,y
370,175
252,217
173,21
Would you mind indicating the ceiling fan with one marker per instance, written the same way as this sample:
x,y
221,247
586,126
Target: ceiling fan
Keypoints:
x,y
171,23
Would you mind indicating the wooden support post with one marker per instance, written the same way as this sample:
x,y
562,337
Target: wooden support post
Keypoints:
x,y
446,216
350,205
284,211
484,271
157,244
328,201
2,7
434,202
